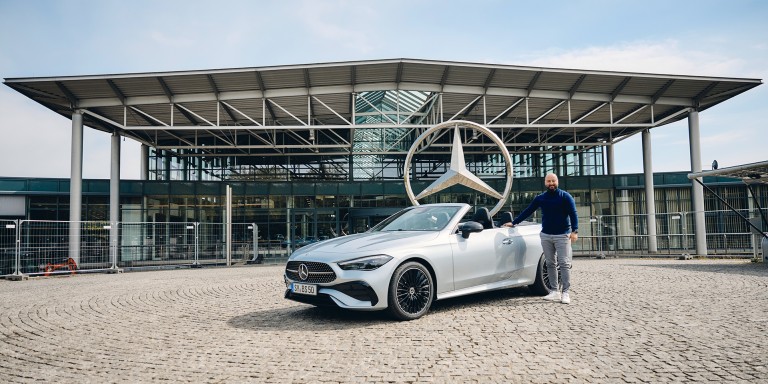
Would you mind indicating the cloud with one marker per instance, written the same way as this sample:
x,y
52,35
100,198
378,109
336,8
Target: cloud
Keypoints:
x,y
663,57
163,39
340,24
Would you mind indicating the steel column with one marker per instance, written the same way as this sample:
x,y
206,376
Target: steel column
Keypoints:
x,y
76,185
228,224
697,190
609,159
114,199
650,196
144,159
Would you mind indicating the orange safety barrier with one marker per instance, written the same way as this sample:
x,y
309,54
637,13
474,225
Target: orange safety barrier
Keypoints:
x,y
70,263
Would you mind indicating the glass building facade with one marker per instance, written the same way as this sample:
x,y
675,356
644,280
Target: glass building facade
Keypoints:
x,y
324,209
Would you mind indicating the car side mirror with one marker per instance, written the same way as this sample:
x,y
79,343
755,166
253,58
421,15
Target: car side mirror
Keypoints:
x,y
470,227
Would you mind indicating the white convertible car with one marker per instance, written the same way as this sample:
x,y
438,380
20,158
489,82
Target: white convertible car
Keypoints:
x,y
420,254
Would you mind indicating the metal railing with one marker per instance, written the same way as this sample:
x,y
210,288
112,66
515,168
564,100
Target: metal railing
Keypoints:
x,y
37,247
615,235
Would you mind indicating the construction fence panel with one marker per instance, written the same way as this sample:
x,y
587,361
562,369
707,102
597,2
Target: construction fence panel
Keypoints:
x,y
728,233
45,247
156,244
212,243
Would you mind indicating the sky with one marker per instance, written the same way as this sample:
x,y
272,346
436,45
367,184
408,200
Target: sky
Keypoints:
x,y
727,38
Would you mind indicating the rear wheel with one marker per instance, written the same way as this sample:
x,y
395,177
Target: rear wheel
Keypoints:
x,y
410,291
541,285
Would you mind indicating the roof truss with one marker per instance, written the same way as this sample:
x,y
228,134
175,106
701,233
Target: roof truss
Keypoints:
x,y
322,108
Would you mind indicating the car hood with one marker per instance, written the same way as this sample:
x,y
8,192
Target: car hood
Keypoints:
x,y
363,244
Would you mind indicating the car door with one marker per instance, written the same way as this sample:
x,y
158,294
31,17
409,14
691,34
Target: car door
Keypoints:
x,y
485,257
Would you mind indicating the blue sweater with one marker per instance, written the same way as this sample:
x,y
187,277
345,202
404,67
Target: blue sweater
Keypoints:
x,y
558,212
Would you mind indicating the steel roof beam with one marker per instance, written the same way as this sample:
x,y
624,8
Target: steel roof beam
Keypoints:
x,y
548,111
697,99
491,91
241,113
468,109
469,148
656,96
149,118
364,126
532,83
576,86
631,113
507,111
68,94
332,110
286,111
165,88
620,88
263,89
728,93
183,108
589,113
473,102
118,92
44,97
420,107
399,73
186,113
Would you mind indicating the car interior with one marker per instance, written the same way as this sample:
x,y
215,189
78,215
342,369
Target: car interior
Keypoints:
x,y
483,217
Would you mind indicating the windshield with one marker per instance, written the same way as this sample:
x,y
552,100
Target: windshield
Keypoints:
x,y
418,219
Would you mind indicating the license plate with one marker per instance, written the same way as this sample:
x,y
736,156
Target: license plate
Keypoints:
x,y
304,289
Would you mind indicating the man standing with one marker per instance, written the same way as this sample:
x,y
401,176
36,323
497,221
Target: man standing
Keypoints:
x,y
559,227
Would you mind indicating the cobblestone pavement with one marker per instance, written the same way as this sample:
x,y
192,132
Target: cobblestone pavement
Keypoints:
x,y
631,320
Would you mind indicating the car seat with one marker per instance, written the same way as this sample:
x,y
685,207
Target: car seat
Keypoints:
x,y
483,217
505,217
442,219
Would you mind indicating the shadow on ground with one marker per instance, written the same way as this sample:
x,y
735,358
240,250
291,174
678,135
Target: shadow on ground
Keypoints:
x,y
744,268
302,317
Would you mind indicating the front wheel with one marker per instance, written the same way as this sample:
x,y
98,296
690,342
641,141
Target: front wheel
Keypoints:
x,y
410,291
541,285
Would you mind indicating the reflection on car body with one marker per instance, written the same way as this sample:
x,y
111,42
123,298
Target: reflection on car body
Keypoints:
x,y
418,255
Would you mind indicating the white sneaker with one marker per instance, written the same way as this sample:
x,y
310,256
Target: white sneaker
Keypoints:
x,y
566,298
552,296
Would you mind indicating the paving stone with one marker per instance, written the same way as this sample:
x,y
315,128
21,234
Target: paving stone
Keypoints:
x,y
631,320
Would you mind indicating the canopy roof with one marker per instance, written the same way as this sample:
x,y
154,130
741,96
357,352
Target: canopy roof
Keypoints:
x,y
315,109
753,173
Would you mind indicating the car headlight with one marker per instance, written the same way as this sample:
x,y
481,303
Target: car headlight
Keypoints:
x,y
367,263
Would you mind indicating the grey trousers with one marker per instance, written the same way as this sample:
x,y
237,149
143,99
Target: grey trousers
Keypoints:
x,y
558,255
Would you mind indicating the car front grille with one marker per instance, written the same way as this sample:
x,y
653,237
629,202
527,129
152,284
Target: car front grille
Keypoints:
x,y
318,272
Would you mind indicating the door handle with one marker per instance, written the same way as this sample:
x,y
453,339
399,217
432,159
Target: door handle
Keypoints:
x,y
508,241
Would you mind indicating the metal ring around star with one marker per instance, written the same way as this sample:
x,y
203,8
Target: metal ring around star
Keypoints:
x,y
463,123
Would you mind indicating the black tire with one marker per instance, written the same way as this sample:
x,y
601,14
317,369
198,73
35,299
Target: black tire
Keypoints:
x,y
541,285
411,291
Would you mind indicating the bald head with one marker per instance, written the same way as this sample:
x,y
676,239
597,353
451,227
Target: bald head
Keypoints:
x,y
550,182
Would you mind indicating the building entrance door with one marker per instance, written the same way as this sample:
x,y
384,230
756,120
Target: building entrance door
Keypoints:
x,y
313,225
